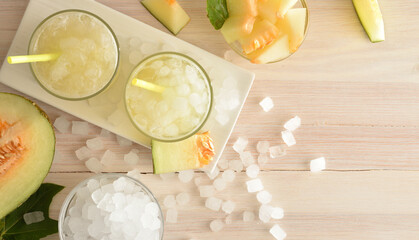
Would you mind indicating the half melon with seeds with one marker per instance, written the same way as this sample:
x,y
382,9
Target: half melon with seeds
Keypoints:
x,y
27,144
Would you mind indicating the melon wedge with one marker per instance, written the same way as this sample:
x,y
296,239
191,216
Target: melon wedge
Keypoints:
x,y
169,13
264,32
369,14
242,7
236,27
295,24
273,9
27,144
277,50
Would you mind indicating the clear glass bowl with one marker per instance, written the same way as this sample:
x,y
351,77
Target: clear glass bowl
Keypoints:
x,y
300,4
35,35
107,177
206,80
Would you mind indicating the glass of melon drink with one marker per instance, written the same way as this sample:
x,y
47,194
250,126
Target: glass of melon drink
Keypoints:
x,y
266,31
88,54
179,110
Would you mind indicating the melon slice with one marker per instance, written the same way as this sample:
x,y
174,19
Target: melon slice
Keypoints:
x,y
27,144
295,24
194,152
273,9
242,7
264,32
277,50
169,13
369,14
236,27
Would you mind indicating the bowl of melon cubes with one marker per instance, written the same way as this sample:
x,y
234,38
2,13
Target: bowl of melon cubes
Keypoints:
x,y
265,31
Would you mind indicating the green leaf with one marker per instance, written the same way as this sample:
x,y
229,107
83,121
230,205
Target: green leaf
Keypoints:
x,y
217,12
15,228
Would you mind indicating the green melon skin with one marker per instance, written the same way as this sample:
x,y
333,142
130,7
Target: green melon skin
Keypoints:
x,y
18,181
369,14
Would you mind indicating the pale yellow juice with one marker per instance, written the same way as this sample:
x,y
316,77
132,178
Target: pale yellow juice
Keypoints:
x,y
88,57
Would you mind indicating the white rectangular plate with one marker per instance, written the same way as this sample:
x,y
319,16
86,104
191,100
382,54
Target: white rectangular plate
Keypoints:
x,y
107,107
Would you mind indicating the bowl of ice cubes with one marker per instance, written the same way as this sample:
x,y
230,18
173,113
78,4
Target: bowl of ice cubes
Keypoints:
x,y
111,206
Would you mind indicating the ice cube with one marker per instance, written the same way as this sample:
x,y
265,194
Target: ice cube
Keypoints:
x,y
33,217
212,174
97,196
83,153
262,146
93,212
94,165
276,151
277,213
254,185
148,48
108,158
240,144
105,133
135,57
252,171
123,142
131,158
264,197
219,184
119,216
152,208
93,185
277,232
267,104
80,128
135,43
229,55
293,123
248,216
213,203
222,118
228,219
169,201
166,176
229,175
265,212
184,90
262,159
198,181
247,158
206,191
186,175
318,164
164,71
120,184
171,215
222,164
228,206
288,138
182,198
136,174
216,225
95,143
62,124
235,165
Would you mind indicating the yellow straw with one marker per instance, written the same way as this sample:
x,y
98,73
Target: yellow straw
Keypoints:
x,y
32,58
147,85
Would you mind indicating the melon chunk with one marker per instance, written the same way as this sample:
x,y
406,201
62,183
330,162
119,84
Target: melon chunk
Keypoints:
x,y
295,22
369,14
277,50
169,13
264,32
242,7
236,27
273,9
27,144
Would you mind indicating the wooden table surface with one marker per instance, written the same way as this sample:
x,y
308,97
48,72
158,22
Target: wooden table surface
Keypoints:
x,y
359,103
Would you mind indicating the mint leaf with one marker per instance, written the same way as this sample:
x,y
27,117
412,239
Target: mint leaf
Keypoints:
x,y
15,228
217,12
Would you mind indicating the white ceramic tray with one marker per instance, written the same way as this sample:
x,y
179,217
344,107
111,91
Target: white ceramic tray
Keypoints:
x,y
106,110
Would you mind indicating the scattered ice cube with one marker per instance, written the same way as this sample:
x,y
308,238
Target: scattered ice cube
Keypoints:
x,y
62,124
262,159
228,206
131,158
229,175
228,219
247,158
293,123
254,185
277,232
33,217
229,55
222,164
108,158
182,198
236,165
264,197
166,176
169,201
216,225
120,184
248,216
213,203
93,185
95,143
171,215
288,138
222,118
240,144
267,104
94,165
83,153
252,171
276,151
148,48
186,175
198,181
277,213
80,128
265,212
134,43
219,184
212,174
318,164
206,191
105,133
123,142
136,174
262,146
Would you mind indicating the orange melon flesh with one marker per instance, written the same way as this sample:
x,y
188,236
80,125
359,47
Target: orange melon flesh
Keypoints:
x,y
264,32
27,145
275,51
